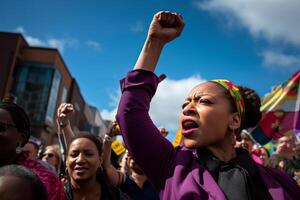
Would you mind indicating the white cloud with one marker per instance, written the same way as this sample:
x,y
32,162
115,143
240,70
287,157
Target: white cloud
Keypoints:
x,y
56,43
109,114
114,101
137,27
20,29
274,59
166,104
60,44
272,19
95,45
35,41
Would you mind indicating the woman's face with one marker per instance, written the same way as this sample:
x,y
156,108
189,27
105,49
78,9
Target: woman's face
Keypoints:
x,y
245,142
50,156
206,116
263,155
83,159
10,138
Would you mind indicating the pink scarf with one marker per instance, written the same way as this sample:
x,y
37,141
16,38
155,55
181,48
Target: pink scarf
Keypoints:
x,y
52,183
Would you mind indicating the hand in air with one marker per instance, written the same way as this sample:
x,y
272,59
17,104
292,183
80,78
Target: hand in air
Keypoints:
x,y
166,26
114,129
64,112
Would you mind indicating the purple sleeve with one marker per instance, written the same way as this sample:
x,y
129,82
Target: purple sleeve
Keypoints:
x,y
153,153
288,184
279,183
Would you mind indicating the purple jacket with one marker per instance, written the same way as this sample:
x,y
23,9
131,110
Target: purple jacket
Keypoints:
x,y
175,172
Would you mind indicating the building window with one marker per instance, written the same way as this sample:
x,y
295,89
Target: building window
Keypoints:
x,y
76,106
51,109
64,94
23,73
35,86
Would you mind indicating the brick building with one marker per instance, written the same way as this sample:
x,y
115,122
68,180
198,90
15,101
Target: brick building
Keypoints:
x,y
40,80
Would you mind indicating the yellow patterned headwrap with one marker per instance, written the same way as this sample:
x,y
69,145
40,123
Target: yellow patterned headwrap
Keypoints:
x,y
235,94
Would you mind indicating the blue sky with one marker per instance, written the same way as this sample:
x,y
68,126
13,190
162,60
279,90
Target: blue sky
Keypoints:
x,y
255,43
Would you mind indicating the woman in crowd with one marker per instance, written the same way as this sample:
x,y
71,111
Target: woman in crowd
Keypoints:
x,y
247,142
52,156
32,149
14,134
85,179
207,166
262,153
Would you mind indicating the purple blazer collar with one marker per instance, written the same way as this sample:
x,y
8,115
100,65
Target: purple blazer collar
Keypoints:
x,y
207,182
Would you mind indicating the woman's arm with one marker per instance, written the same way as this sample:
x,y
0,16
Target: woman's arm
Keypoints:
x,y
64,112
113,176
152,152
164,27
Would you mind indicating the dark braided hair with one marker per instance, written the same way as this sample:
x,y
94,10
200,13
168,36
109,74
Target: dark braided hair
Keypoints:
x,y
252,103
252,107
19,117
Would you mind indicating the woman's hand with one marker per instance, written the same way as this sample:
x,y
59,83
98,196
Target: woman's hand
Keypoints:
x,y
64,112
166,26
114,129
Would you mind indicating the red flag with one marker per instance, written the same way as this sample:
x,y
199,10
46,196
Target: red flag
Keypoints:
x,y
280,112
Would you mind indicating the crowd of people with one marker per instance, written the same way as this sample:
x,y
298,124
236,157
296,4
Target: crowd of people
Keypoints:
x,y
217,159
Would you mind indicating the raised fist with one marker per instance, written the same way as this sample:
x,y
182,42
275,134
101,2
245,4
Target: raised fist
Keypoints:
x,y
64,112
166,26
114,129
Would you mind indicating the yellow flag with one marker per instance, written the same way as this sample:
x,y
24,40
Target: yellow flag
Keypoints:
x,y
177,139
118,147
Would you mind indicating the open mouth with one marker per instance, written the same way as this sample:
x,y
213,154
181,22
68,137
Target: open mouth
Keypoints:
x,y
188,126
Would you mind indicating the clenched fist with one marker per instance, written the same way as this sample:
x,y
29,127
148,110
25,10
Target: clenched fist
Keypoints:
x,y
64,113
114,129
166,26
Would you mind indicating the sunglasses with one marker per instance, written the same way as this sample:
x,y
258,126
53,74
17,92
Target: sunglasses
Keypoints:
x,y
5,126
49,155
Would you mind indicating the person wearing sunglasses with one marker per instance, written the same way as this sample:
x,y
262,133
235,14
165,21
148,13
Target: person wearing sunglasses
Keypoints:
x,y
32,149
14,134
52,156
